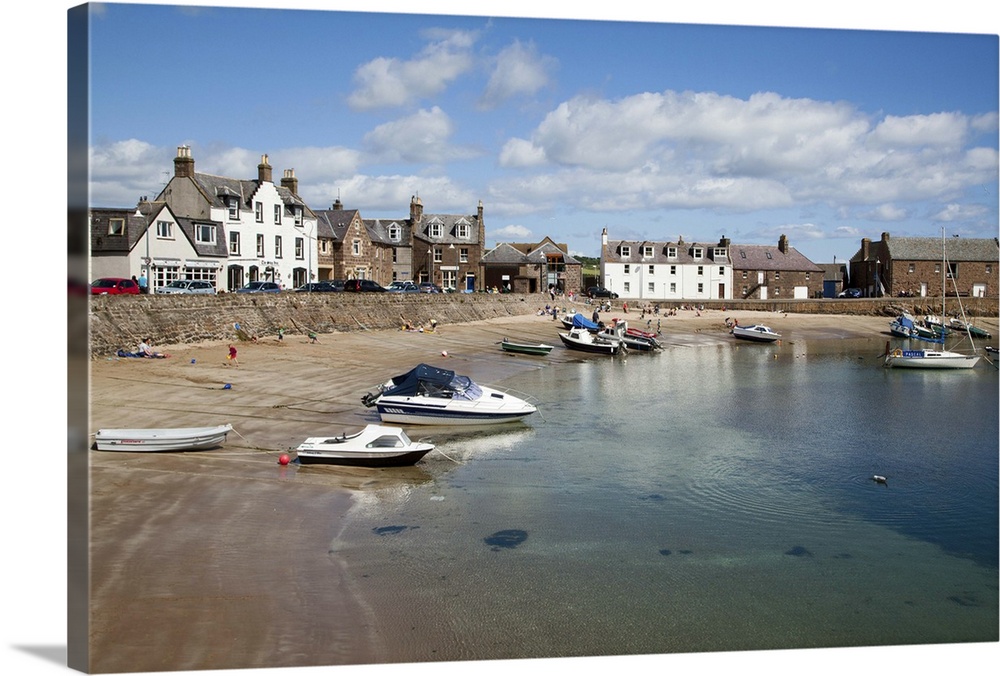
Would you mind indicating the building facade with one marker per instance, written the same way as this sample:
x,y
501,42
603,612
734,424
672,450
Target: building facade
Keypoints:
x,y
771,272
923,266
532,268
269,232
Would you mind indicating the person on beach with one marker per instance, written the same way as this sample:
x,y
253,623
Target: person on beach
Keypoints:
x,y
281,333
313,337
232,356
146,349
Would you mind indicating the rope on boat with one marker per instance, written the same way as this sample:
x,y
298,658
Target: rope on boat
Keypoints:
x,y
427,440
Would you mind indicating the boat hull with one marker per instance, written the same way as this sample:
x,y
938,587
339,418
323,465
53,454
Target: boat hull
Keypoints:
x,y
755,336
590,346
929,359
427,411
161,440
521,348
375,459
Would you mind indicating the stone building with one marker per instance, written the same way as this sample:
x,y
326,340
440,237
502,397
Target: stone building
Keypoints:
x,y
532,268
447,249
771,272
920,266
351,247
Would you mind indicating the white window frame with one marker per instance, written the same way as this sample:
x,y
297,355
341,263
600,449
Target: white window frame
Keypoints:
x,y
356,247
463,255
671,252
626,251
300,250
164,230
277,246
234,243
260,247
234,208
277,214
204,233
258,211
116,227
647,252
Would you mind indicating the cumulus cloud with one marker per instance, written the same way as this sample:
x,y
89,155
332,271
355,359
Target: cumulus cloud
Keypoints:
x,y
421,137
389,82
519,70
511,232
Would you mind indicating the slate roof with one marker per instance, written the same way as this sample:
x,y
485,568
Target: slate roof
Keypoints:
x,y
333,223
215,188
526,254
100,222
684,252
449,223
959,249
764,257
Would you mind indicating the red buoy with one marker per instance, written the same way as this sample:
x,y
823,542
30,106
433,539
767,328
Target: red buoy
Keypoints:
x,y
283,459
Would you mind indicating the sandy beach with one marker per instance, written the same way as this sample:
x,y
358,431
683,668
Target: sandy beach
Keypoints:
x,y
220,559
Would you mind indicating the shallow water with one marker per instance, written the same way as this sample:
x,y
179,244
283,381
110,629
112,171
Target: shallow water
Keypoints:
x,y
698,499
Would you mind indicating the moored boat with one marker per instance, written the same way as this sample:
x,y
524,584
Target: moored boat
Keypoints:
x,y
427,395
634,339
965,327
373,446
583,340
930,359
537,349
757,333
161,439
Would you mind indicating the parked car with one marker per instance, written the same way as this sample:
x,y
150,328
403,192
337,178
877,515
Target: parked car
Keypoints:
x,y
187,286
601,292
317,287
113,286
429,287
850,293
362,285
403,287
260,287
337,284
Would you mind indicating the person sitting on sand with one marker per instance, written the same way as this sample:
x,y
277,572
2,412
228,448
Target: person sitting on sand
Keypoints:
x,y
146,349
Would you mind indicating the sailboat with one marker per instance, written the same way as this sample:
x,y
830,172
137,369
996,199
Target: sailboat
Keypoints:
x,y
935,359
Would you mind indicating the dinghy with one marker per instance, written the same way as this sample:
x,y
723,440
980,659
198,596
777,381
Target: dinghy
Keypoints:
x,y
374,446
165,439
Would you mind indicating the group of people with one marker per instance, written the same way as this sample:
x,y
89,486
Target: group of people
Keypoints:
x,y
141,282
145,349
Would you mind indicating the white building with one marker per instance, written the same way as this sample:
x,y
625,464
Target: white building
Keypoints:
x,y
269,232
678,270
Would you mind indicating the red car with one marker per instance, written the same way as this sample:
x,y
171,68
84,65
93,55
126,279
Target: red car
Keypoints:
x,y
113,286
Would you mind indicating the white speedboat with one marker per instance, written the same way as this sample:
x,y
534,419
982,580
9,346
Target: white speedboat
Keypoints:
x,y
757,333
930,359
165,439
374,446
583,340
427,395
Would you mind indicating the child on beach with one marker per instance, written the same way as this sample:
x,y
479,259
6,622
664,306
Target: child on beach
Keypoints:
x,y
232,356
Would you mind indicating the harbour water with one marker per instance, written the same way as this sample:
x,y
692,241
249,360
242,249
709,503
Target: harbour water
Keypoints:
x,y
698,499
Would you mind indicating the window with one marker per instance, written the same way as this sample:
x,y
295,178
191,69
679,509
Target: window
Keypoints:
x,y
324,246
234,208
297,211
395,259
437,255
300,250
647,252
258,211
652,269
277,246
436,229
277,214
394,233
671,252
697,253
701,270
463,230
913,268
937,268
722,271
234,243
651,287
260,247
626,251
989,269
204,233
463,255
626,289
701,288
116,226
807,276
720,252
777,274
164,229
356,247
673,287
744,276
673,269
627,269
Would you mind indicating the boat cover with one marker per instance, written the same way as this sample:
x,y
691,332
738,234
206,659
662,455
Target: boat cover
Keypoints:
x,y
429,381
581,322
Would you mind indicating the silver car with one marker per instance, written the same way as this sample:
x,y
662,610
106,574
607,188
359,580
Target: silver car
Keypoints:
x,y
187,286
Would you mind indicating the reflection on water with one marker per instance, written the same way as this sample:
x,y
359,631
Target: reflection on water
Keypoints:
x,y
715,498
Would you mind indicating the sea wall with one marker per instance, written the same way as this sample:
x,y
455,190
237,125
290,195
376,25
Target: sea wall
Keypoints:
x,y
119,322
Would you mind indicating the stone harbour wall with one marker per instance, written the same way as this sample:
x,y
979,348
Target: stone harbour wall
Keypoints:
x,y
120,322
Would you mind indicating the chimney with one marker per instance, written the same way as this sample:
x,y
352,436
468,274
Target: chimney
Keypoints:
x,y
866,245
783,244
479,211
604,238
289,181
264,170
184,163
337,206
885,237
416,210
724,242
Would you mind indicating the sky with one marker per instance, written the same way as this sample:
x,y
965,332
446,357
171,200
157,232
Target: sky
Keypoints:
x,y
646,130
562,127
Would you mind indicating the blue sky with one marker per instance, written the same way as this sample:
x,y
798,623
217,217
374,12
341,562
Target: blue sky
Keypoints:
x,y
562,127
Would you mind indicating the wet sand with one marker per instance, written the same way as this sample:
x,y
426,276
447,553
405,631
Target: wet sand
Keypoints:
x,y
220,559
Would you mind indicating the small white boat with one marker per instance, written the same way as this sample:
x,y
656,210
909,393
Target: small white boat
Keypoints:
x,y
757,333
427,395
166,439
583,340
374,446
537,349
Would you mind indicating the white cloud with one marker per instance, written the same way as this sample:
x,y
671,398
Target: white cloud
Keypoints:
x,y
511,232
940,129
951,213
421,137
519,71
389,82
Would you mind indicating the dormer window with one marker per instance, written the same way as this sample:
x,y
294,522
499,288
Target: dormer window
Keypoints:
x,y
647,252
116,227
204,233
297,213
671,252
234,208
394,233
436,229
720,252
697,253
463,230
626,251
